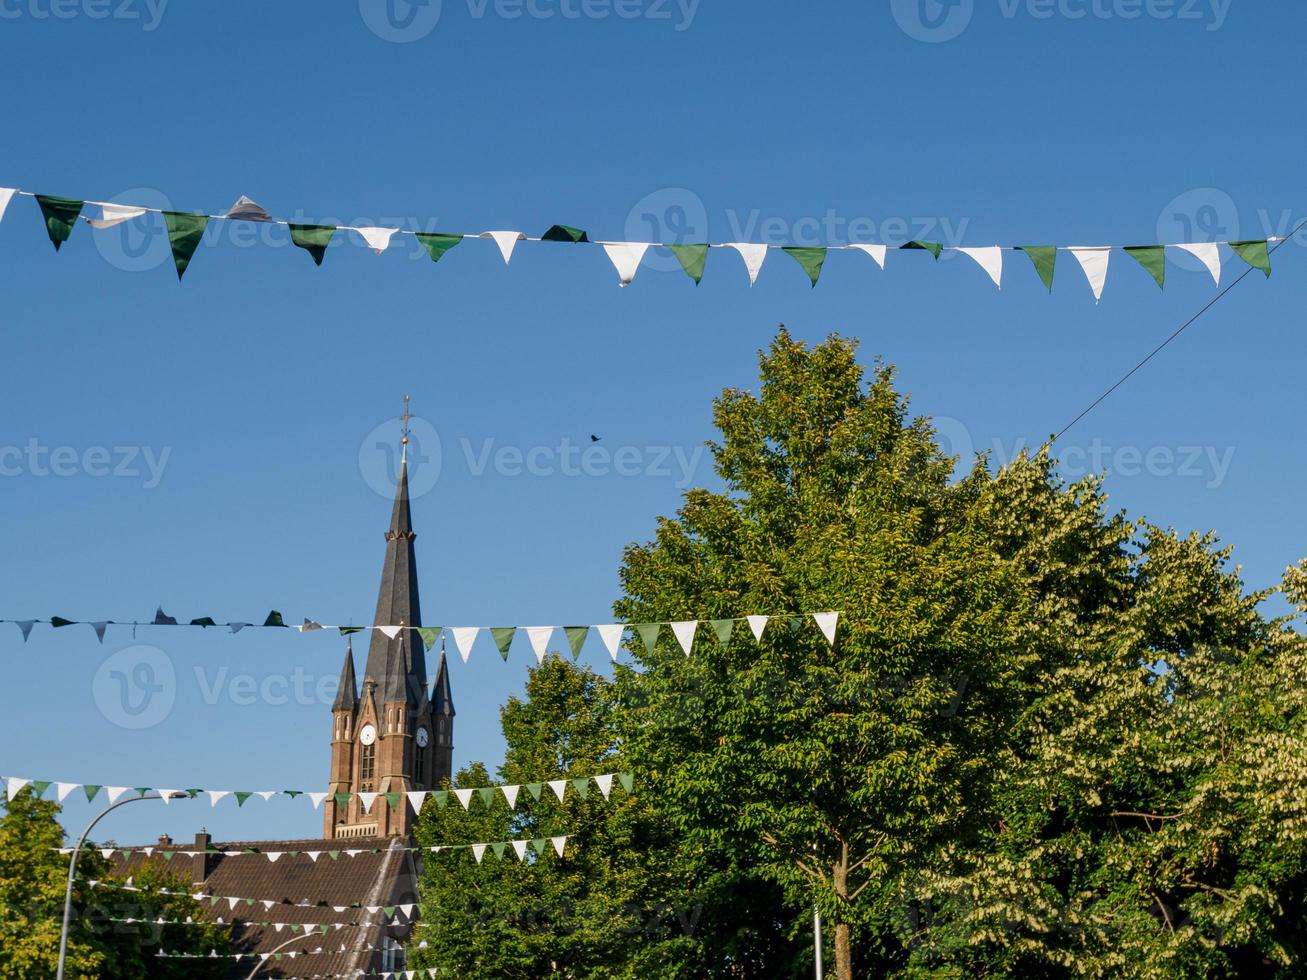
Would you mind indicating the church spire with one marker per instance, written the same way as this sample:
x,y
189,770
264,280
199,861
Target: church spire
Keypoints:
x,y
347,691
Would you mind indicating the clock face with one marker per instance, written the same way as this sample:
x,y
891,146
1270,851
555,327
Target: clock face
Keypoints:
x,y
367,735
422,738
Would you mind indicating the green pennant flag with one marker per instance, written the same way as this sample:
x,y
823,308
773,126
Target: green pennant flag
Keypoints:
x,y
810,258
648,633
503,639
722,627
437,245
313,239
627,780
274,619
564,233
57,621
203,621
576,638
692,259
534,789
934,248
498,848
442,797
342,799
142,790
347,630
582,786
487,794
90,789
184,234
1152,258
60,215
538,845
334,855
388,911
39,786
1255,254
393,799
292,793
1045,258
430,635
241,796
168,855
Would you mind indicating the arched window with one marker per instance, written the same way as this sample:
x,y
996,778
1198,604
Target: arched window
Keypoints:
x,y
367,767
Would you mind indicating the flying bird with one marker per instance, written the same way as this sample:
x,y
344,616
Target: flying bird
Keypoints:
x,y
594,438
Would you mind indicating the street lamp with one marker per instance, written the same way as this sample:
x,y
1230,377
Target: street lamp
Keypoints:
x,y
292,939
72,866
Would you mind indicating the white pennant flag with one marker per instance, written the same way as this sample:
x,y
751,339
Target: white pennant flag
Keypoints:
x,y
316,799
506,240
114,214
611,634
753,256
605,784
416,799
314,855
106,853
464,637
1205,252
478,851
757,624
99,630
464,797
378,239
14,785
217,794
827,621
166,795
539,637
63,789
367,799
520,847
626,257
273,856
559,786
989,258
6,195
877,252
114,792
1094,262
390,631
685,633
559,843
233,901
266,794
510,795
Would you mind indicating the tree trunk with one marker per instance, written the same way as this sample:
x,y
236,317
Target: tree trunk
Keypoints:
x,y
843,943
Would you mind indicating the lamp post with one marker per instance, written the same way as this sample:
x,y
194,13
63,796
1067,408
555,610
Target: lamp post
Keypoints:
x,y
72,867
293,939
816,932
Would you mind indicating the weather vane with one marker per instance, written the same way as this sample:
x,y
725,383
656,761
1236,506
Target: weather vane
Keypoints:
x,y
404,421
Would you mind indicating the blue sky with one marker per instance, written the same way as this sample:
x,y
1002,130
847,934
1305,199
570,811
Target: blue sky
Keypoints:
x,y
249,398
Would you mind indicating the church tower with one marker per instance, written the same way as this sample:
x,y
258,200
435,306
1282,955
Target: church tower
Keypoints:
x,y
395,735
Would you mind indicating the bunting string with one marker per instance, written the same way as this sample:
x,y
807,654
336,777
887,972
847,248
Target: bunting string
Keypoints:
x,y
387,912
185,230
277,957
465,637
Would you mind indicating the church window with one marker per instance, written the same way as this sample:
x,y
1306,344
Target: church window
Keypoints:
x,y
367,767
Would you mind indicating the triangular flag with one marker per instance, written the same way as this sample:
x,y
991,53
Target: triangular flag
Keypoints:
x,y
316,798
605,784
313,239
535,790
648,633
437,245
934,248
247,210
627,780
184,234
63,789
60,215
114,214
367,799
464,637
582,786
685,633
274,619
539,637
877,252
827,621
464,797
58,621
1152,258
811,259
415,799
559,786
626,257
114,792
478,852
1255,254
1044,258
390,631
498,849
564,233
559,843
753,256
506,240
99,630
487,794
989,258
692,258
167,795
242,795
429,634
510,795
1094,261
378,239
25,627
723,628
161,618
757,624
6,195
611,634
519,846
539,844
576,638
273,856
1208,254
503,636
91,789
14,785
217,794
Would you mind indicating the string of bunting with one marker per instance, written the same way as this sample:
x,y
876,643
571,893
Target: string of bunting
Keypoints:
x,y
386,911
213,954
276,957
185,231
294,928
580,786
465,637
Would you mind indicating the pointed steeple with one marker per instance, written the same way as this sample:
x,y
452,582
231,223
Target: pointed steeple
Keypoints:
x,y
347,691
442,701
397,665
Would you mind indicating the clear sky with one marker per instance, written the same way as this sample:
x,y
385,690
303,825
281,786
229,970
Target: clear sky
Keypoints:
x,y
250,396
